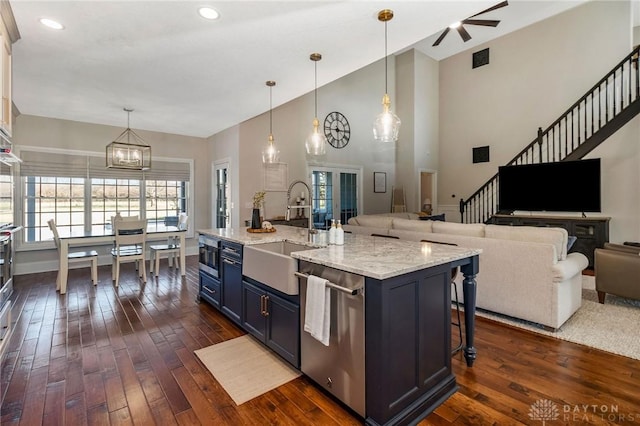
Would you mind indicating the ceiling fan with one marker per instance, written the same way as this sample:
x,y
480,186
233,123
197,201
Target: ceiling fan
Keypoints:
x,y
459,26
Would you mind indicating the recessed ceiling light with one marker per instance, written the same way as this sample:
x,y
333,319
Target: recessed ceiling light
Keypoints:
x,y
208,13
51,23
455,25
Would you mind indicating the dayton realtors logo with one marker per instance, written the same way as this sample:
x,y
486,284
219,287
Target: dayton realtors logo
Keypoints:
x,y
545,410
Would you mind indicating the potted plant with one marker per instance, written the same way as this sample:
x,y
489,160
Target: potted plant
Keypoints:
x,y
258,201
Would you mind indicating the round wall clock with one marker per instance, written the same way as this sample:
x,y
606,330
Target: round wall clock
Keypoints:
x,y
337,130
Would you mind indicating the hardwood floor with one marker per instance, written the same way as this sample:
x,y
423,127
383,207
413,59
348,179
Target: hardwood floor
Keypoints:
x,y
98,355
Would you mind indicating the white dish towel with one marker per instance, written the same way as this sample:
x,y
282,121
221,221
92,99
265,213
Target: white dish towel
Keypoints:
x,y
317,319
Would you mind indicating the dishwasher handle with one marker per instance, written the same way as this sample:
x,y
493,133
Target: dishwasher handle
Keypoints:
x,y
350,291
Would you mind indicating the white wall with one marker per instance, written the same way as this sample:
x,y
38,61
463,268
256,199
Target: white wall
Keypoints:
x,y
63,134
534,75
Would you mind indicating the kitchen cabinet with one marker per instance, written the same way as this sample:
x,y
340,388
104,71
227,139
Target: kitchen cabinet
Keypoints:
x,y
5,123
210,289
272,318
231,282
9,34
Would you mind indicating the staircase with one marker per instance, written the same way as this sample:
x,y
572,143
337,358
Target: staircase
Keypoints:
x,y
604,109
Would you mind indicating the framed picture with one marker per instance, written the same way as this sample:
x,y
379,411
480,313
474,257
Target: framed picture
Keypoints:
x,y
379,182
276,176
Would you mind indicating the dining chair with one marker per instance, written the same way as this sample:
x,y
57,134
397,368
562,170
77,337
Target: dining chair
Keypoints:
x,y
130,241
78,256
171,248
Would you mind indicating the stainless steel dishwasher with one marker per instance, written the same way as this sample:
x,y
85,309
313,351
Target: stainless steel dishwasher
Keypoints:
x,y
339,368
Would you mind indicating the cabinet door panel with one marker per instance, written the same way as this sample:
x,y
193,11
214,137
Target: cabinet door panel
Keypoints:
x,y
283,335
232,289
253,320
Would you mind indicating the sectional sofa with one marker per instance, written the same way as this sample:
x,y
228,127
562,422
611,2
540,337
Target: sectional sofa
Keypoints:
x,y
525,272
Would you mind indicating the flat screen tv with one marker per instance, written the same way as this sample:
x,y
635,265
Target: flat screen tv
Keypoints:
x,y
566,186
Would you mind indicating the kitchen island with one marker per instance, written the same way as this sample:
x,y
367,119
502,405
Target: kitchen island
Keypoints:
x,y
406,319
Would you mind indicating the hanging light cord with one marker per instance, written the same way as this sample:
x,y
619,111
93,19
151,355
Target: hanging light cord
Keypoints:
x,y
270,110
315,91
385,58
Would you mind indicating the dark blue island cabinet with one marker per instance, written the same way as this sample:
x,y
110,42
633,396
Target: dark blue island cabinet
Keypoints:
x,y
273,318
408,342
231,280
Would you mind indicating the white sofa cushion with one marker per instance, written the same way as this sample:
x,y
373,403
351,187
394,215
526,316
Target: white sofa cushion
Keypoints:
x,y
372,220
412,225
454,228
556,236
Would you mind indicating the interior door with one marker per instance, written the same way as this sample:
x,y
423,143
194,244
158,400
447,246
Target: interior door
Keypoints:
x,y
335,195
221,196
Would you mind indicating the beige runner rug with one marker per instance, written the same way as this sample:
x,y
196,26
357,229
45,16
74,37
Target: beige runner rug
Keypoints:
x,y
245,367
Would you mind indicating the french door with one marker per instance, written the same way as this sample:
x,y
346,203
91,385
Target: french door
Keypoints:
x,y
335,195
221,196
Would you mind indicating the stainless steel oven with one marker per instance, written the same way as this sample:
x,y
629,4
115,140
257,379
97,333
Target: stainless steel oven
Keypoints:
x,y
209,254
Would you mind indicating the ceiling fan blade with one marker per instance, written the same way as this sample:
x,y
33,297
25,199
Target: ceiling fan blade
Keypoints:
x,y
497,6
463,33
444,33
483,22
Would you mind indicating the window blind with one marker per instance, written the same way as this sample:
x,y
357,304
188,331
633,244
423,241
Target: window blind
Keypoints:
x,y
40,163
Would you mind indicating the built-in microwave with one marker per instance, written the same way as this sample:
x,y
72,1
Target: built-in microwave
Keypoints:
x,y
209,254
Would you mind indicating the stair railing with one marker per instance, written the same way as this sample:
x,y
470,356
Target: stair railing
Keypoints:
x,y
566,138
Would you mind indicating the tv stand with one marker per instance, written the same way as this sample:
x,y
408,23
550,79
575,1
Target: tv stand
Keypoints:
x,y
591,232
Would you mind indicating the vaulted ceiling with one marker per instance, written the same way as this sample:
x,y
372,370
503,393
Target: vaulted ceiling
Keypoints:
x,y
186,75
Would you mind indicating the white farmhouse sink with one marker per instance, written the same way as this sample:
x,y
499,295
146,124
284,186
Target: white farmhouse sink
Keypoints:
x,y
272,265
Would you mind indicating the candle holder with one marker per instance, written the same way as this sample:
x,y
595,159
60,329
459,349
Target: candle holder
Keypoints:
x,y
301,211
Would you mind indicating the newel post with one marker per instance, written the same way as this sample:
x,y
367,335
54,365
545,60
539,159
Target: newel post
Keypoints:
x,y
540,144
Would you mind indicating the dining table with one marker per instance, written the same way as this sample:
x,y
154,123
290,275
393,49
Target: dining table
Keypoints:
x,y
101,235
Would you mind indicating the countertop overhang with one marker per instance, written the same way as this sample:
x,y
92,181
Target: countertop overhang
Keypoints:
x,y
374,257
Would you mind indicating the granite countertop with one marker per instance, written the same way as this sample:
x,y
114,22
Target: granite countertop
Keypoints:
x,y
374,257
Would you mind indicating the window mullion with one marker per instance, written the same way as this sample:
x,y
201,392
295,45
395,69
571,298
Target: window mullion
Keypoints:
x,y
143,199
88,207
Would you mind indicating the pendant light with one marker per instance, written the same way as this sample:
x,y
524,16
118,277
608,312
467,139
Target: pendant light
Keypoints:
x,y
270,154
387,125
122,153
317,141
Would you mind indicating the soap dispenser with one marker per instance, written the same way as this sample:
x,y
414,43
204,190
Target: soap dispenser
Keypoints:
x,y
333,232
339,234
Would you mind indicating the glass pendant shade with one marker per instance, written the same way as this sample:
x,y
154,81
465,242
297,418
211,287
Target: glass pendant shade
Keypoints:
x,y
270,154
316,143
386,126
128,151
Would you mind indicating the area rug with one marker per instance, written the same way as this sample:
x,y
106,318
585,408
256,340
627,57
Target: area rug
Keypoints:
x,y
245,367
612,327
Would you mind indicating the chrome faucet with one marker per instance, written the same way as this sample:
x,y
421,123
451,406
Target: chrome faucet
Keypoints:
x,y
308,206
